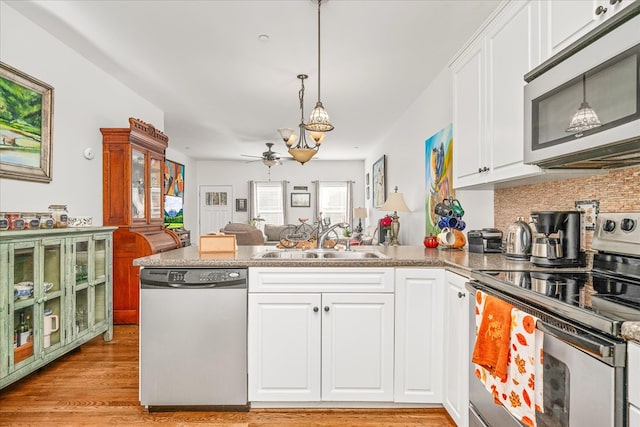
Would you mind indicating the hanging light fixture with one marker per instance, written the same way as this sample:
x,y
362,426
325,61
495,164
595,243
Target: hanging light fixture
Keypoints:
x,y
585,118
302,151
319,119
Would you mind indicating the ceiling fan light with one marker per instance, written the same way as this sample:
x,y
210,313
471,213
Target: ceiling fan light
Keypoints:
x,y
302,155
270,162
317,137
319,120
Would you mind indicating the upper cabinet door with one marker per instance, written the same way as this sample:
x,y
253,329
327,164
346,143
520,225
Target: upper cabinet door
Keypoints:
x,y
468,118
565,21
156,164
138,182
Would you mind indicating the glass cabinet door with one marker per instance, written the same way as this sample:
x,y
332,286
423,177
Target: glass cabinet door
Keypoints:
x,y
81,286
98,300
156,186
23,276
137,184
51,293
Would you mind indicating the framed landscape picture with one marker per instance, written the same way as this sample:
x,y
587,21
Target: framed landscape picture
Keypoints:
x,y
379,185
300,200
26,126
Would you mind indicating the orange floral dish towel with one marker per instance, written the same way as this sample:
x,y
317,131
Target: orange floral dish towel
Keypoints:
x,y
492,340
521,391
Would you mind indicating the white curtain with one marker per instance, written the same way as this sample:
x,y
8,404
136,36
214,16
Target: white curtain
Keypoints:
x,y
335,200
268,201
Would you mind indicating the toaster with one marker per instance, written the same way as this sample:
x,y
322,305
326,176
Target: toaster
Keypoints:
x,y
487,240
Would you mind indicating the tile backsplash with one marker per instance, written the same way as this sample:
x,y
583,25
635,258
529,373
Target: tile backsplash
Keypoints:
x,y
617,191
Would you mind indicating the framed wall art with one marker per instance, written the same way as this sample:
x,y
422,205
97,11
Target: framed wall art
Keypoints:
x,y
241,205
379,184
173,178
300,200
26,126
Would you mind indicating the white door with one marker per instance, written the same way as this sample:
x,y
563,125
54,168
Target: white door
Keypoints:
x,y
418,332
216,208
456,348
357,347
284,347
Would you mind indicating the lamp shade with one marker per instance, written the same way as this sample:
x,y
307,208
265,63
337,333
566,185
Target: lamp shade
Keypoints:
x,y
359,213
395,202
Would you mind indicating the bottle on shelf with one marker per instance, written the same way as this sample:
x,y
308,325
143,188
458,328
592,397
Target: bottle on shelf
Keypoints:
x,y
23,331
29,331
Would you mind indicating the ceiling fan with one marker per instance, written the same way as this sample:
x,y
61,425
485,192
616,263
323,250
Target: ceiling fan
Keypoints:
x,y
269,157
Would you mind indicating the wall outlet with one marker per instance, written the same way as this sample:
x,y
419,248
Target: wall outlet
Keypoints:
x,y
589,209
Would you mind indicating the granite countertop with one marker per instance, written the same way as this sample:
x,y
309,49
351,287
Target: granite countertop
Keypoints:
x,y
459,261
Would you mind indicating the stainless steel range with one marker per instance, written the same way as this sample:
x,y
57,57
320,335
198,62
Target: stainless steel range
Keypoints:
x,y
581,315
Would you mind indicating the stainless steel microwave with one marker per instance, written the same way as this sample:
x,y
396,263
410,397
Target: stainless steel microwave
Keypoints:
x,y
582,107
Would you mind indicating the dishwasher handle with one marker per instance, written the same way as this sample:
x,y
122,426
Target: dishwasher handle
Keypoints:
x,y
235,284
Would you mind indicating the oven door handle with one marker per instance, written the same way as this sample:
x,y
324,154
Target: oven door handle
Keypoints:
x,y
610,352
603,351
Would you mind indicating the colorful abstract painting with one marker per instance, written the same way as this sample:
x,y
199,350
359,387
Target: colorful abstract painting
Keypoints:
x,y
173,179
439,173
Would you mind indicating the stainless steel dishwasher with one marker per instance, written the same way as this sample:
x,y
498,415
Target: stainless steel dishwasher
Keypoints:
x,y
193,339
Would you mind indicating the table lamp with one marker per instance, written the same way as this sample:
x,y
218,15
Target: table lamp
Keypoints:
x,y
359,213
395,202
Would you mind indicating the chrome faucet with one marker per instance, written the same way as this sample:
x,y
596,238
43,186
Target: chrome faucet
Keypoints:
x,y
322,235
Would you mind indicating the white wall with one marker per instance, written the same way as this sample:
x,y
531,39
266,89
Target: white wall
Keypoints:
x,y
404,146
85,99
239,173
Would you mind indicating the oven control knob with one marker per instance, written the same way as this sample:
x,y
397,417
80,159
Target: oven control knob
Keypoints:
x,y
609,225
628,224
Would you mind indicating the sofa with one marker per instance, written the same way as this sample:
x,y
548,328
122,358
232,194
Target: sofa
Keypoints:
x,y
245,234
272,233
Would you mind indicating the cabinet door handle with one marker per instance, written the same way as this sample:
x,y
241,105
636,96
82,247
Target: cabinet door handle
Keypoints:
x,y
612,2
461,294
315,309
601,9
326,308
479,170
485,169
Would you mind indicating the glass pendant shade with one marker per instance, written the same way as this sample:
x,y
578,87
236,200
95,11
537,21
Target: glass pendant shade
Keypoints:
x,y
270,162
319,120
584,119
302,155
317,137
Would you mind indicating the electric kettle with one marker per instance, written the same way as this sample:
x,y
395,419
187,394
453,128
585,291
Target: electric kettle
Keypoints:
x,y
518,244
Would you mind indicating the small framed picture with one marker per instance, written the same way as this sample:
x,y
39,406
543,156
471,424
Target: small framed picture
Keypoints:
x,y
300,200
241,205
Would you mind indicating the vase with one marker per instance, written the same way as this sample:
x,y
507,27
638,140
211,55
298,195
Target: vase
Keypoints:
x,y
430,241
387,237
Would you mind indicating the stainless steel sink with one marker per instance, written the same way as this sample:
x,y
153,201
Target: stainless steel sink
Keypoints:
x,y
321,254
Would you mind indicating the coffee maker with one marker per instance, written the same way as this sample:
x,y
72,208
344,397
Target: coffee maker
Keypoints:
x,y
557,243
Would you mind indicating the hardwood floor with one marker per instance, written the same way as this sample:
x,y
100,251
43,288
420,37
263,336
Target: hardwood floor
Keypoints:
x,y
97,385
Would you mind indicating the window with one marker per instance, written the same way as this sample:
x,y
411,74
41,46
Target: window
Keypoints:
x,y
268,202
334,200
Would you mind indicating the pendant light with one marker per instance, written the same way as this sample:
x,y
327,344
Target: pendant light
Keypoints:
x,y
585,118
302,151
319,119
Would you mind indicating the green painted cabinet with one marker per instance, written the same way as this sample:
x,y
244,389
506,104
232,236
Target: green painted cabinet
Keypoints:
x,y
65,279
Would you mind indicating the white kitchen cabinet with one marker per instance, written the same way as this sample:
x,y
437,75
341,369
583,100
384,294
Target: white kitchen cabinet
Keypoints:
x,y
357,347
488,98
284,347
565,21
633,383
456,348
419,335
320,334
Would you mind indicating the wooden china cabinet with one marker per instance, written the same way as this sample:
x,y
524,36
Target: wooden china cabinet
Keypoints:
x,y
133,161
